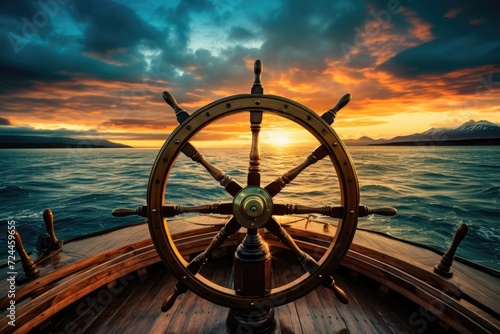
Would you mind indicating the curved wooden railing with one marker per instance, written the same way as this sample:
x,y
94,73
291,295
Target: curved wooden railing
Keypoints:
x,y
42,284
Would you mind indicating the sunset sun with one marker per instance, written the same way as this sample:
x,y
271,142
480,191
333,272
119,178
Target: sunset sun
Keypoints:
x,y
281,139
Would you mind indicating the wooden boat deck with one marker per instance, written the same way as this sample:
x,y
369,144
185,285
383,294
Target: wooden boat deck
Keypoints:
x,y
136,309
132,303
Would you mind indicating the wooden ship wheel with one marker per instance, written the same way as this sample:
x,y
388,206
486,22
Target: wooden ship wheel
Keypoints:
x,y
253,208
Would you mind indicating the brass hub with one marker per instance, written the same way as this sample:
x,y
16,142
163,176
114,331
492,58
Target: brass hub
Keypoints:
x,y
252,207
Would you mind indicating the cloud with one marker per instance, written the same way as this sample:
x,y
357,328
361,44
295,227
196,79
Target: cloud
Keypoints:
x,y
303,36
464,37
4,121
114,37
92,133
108,44
24,21
24,130
241,34
142,123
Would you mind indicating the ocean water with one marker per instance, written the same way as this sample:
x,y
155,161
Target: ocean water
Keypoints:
x,y
434,189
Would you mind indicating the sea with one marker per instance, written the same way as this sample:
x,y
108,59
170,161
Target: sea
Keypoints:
x,y
433,188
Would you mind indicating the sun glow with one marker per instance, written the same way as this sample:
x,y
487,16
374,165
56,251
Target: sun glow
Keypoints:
x,y
287,137
280,138
282,141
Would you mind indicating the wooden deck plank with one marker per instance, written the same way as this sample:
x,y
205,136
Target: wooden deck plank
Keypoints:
x,y
375,305
318,312
151,319
141,300
116,304
108,241
287,319
287,316
202,311
84,313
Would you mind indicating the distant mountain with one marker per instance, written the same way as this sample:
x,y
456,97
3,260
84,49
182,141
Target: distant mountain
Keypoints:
x,y
468,130
469,133
364,141
20,141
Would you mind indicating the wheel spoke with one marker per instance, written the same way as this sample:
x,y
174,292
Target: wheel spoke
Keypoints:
x,y
189,150
277,185
180,113
307,262
254,163
331,211
319,153
297,209
225,180
220,208
199,261
330,115
255,124
174,210
231,227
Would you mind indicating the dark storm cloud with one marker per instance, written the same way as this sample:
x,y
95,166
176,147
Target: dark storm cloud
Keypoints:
x,y
466,36
294,34
40,64
18,9
107,50
26,19
463,36
4,121
19,76
206,70
241,34
176,28
305,36
113,30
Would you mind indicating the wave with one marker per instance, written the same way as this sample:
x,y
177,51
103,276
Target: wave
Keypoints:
x,y
482,233
377,188
492,192
12,190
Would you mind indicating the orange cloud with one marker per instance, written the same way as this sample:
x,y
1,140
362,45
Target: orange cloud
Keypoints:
x,y
383,105
452,13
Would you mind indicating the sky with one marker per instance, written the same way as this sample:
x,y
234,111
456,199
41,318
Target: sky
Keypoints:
x,y
97,68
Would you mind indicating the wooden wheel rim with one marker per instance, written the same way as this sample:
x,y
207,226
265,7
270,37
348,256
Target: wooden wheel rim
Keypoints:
x,y
349,192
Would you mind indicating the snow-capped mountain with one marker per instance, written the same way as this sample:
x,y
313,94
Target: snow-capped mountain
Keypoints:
x,y
471,130
468,130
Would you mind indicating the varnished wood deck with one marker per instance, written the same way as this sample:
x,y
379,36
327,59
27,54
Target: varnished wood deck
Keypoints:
x,y
133,305
135,308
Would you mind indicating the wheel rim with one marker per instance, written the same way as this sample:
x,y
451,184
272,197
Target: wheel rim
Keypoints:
x,y
349,193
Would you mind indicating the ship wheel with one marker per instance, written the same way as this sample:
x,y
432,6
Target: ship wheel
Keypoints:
x,y
253,206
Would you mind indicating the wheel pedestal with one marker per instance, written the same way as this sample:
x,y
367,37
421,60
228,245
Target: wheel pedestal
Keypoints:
x,y
252,277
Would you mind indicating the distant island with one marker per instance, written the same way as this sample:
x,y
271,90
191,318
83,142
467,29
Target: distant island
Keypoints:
x,y
470,133
28,141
